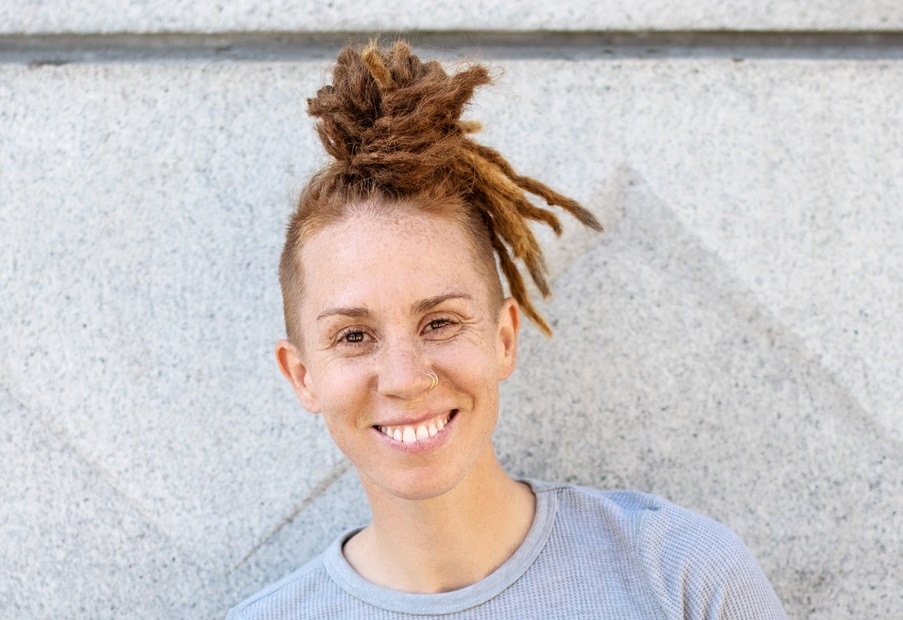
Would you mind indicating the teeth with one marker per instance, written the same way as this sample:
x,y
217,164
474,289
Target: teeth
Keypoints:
x,y
411,434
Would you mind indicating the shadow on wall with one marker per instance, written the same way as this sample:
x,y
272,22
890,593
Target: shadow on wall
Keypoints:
x,y
694,390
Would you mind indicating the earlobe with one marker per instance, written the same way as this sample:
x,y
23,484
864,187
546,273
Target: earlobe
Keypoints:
x,y
509,327
290,362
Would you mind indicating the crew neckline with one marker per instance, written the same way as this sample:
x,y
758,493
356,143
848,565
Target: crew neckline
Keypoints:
x,y
465,598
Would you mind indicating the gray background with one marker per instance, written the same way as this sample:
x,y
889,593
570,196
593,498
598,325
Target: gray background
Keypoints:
x,y
732,342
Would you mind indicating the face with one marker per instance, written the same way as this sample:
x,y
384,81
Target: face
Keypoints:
x,y
389,298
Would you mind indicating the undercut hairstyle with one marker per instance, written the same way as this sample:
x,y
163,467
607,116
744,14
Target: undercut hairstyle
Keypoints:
x,y
392,126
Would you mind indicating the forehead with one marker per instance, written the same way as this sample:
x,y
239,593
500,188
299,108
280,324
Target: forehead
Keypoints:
x,y
377,260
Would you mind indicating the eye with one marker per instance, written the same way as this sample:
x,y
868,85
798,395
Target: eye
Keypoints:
x,y
437,324
352,336
439,327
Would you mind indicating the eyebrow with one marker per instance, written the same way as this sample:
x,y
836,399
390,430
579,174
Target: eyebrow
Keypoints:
x,y
431,302
417,307
357,313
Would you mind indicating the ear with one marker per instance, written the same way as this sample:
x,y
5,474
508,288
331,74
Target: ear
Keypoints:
x,y
509,326
291,363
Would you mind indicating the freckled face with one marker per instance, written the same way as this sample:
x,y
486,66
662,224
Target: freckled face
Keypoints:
x,y
389,298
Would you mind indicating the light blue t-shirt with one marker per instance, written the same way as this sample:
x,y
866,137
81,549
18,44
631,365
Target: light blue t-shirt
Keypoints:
x,y
588,554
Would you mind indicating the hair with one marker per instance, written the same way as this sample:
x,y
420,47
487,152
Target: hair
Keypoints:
x,y
392,126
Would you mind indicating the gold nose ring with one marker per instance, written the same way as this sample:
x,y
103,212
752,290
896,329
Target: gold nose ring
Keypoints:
x,y
435,380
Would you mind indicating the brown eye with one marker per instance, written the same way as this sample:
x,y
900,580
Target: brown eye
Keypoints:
x,y
437,324
354,337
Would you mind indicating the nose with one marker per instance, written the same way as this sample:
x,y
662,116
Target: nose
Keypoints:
x,y
403,370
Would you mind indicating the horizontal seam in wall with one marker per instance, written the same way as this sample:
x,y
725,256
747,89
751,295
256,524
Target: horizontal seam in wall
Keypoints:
x,y
292,46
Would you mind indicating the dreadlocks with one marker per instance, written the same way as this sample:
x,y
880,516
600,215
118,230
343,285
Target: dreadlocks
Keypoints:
x,y
392,125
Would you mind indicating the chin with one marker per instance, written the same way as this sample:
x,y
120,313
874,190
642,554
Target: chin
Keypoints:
x,y
413,486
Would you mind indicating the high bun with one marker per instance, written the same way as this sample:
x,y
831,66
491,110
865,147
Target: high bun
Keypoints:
x,y
393,126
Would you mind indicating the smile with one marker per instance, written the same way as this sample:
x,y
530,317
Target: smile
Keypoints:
x,y
419,432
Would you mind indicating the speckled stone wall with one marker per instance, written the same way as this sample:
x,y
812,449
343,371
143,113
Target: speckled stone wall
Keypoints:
x,y
732,342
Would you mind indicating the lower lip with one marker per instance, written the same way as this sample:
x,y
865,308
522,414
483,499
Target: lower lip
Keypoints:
x,y
424,445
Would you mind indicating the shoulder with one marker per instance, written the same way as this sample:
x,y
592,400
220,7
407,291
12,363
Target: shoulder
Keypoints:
x,y
283,598
695,566
632,511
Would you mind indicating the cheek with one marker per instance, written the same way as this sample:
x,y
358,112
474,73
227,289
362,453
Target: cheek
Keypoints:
x,y
342,391
477,356
338,430
476,370
345,416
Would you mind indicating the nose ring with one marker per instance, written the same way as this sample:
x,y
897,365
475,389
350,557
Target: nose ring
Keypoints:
x,y
435,380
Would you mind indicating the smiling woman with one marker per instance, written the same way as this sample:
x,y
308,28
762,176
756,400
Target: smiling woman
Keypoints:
x,y
399,335
389,299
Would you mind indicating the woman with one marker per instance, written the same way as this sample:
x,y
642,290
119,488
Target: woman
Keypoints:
x,y
399,334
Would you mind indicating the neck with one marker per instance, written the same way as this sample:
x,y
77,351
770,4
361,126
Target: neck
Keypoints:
x,y
446,542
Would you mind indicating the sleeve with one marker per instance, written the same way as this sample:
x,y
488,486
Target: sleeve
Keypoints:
x,y
701,570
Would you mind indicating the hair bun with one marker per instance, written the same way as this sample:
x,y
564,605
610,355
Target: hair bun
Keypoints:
x,y
391,120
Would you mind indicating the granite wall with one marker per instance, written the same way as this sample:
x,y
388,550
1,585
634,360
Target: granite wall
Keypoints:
x,y
733,342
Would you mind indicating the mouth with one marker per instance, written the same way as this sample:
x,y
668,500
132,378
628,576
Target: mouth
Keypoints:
x,y
418,432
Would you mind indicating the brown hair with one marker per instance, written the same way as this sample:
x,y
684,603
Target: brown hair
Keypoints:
x,y
393,127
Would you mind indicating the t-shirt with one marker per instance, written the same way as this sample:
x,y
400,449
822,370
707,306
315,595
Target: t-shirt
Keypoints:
x,y
588,554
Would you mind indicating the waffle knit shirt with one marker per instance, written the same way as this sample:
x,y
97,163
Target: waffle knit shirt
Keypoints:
x,y
588,554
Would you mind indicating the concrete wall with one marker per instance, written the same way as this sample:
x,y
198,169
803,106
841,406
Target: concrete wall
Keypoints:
x,y
732,342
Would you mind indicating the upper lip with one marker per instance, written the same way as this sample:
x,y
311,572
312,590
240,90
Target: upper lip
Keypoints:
x,y
414,421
